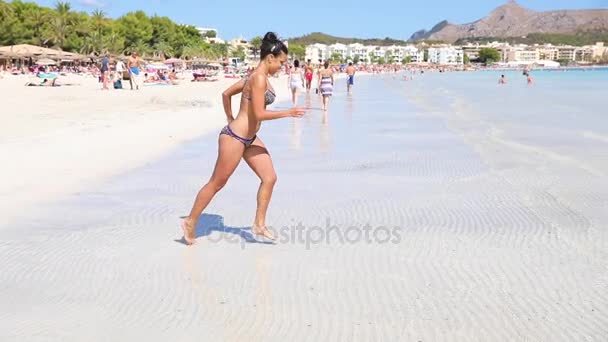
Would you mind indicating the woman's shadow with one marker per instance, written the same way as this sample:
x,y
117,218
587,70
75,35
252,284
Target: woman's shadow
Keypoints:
x,y
209,223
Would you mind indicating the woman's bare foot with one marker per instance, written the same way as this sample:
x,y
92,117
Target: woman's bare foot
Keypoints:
x,y
262,231
189,232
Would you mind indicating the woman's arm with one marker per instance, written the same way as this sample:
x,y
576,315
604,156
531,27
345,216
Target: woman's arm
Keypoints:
x,y
227,98
319,80
258,84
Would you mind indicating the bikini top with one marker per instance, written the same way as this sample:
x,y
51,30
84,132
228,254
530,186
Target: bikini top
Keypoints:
x,y
269,95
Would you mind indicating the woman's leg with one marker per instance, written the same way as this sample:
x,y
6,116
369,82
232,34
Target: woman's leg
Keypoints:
x,y
293,96
258,158
230,152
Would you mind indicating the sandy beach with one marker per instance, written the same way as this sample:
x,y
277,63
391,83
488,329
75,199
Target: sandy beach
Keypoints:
x,y
60,140
410,212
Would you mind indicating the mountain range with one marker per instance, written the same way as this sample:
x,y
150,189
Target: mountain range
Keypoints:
x,y
513,20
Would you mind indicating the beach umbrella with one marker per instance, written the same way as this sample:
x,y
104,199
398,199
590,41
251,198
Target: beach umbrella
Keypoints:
x,y
173,61
45,61
157,66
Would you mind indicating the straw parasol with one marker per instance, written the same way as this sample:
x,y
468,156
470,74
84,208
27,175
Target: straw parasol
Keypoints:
x,y
45,61
173,61
156,66
27,50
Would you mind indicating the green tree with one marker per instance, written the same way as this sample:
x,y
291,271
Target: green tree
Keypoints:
x,y
381,61
210,34
5,10
98,21
488,55
137,30
372,57
466,59
297,51
426,55
61,24
240,53
336,57
256,43
163,50
406,60
356,59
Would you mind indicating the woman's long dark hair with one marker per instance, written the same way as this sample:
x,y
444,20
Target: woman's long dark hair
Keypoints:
x,y
272,45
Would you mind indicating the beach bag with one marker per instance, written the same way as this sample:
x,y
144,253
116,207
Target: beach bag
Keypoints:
x,y
118,84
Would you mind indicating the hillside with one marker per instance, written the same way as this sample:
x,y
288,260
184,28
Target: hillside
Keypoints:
x,y
322,38
513,20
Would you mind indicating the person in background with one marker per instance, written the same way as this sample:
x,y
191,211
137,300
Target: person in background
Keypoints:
x,y
105,71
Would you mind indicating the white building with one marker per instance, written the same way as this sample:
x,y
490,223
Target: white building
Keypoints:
x,y
446,55
337,49
566,52
243,44
524,55
358,52
316,53
414,54
376,52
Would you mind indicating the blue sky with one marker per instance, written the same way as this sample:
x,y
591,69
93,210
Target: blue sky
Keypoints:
x,y
354,18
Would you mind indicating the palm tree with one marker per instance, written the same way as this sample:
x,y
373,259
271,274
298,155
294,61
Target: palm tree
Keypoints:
x,y
142,48
163,49
189,52
5,9
93,43
61,23
256,42
98,20
114,43
39,18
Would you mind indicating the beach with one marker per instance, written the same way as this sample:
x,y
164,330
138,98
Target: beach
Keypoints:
x,y
62,139
444,208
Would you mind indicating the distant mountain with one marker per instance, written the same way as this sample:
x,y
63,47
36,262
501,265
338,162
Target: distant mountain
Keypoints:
x,y
322,38
513,20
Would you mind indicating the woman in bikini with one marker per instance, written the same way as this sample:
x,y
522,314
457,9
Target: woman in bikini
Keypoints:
x,y
238,139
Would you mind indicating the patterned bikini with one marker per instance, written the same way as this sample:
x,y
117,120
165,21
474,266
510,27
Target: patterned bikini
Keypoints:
x,y
269,98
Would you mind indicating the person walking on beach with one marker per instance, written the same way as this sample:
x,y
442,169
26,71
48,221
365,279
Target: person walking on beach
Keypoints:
x,y
296,81
134,63
326,83
105,71
502,80
350,76
308,73
120,69
238,140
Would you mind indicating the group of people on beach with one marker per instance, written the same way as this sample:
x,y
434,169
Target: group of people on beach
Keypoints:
x,y
301,78
115,74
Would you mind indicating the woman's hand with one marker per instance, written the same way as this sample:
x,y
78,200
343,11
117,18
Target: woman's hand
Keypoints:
x,y
296,112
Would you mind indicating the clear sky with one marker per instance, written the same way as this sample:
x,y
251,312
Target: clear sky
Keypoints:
x,y
344,18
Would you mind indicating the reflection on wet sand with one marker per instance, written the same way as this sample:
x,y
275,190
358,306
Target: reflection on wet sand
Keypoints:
x,y
295,134
324,133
